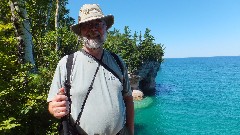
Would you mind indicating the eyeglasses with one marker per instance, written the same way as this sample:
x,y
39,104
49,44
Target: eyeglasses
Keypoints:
x,y
96,24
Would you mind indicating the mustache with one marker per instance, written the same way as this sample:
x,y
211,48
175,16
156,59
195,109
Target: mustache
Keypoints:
x,y
93,35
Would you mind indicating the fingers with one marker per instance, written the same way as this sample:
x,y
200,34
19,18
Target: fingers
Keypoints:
x,y
60,95
59,108
60,112
60,104
61,91
59,98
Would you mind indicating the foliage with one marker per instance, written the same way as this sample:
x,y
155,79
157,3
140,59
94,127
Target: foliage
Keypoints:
x,y
38,12
150,51
133,49
5,11
46,47
23,93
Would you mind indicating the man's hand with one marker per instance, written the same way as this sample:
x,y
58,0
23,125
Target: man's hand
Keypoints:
x,y
58,107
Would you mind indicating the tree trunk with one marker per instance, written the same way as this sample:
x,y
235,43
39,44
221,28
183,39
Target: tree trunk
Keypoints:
x,y
48,15
22,27
58,8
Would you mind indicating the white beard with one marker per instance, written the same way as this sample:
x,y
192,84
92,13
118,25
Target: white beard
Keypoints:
x,y
95,43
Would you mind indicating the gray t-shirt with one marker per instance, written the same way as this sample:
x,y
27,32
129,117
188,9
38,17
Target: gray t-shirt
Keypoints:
x,y
104,111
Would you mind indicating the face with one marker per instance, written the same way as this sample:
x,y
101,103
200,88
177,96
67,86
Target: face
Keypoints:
x,y
94,33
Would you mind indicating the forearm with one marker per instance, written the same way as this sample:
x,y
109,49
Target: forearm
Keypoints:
x,y
129,113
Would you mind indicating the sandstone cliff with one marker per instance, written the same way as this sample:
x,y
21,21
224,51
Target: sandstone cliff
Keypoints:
x,y
144,79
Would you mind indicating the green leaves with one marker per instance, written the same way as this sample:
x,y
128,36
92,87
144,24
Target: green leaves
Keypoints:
x,y
133,49
8,124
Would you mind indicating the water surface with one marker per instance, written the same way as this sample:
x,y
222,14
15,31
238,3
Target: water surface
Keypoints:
x,y
195,96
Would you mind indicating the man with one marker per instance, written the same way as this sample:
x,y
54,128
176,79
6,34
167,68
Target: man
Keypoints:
x,y
109,107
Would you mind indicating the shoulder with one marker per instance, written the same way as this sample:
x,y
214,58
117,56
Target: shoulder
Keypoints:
x,y
114,55
63,60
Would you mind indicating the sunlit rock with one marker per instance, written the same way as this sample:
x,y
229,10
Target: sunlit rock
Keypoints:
x,y
137,95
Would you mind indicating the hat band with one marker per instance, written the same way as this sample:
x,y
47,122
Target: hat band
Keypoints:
x,y
89,18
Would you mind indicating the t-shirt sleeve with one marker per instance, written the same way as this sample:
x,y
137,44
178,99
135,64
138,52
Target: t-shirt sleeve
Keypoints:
x,y
58,79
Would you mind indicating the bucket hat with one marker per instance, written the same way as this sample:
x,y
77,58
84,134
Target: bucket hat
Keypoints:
x,y
90,12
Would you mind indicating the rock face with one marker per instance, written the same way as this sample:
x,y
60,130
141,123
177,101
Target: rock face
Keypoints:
x,y
144,79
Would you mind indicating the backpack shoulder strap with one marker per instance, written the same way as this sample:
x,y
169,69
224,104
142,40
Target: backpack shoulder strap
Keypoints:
x,y
64,126
69,67
120,64
67,82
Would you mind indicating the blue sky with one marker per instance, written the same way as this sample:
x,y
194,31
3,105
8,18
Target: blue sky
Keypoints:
x,y
187,28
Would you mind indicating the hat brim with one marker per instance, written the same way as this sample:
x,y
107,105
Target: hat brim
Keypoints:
x,y
109,19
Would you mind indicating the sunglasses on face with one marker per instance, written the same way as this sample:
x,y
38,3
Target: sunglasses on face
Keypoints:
x,y
96,24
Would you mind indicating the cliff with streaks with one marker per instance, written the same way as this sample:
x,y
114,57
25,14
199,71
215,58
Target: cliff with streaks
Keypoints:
x,y
144,78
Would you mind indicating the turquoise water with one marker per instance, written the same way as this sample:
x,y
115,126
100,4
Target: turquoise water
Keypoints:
x,y
195,96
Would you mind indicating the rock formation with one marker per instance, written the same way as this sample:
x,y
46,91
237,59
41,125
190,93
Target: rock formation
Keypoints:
x,y
144,79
